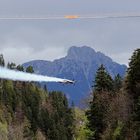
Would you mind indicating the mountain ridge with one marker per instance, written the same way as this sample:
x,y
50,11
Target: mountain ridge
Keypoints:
x,y
79,64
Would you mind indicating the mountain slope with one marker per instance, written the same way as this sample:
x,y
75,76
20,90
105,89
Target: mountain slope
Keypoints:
x,y
80,64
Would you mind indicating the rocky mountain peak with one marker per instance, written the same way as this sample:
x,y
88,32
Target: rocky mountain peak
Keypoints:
x,y
81,53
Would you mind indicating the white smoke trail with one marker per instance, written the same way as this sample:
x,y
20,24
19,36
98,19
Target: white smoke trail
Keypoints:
x,y
22,76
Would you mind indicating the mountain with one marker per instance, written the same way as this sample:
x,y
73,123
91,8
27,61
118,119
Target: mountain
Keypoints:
x,y
80,65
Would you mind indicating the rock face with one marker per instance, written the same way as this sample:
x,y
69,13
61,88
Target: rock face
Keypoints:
x,y
80,65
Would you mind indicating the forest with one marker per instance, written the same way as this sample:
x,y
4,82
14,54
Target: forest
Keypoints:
x,y
29,112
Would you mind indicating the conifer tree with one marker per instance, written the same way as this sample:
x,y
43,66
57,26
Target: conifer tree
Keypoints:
x,y
2,62
45,88
103,81
11,66
117,82
20,68
30,69
133,74
98,105
133,88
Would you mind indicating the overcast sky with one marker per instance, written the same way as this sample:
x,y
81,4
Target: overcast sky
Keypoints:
x,y
22,41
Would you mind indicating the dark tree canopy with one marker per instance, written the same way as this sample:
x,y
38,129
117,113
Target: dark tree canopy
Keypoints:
x,y
30,69
117,82
20,68
133,74
11,66
2,62
103,81
133,88
29,112
95,114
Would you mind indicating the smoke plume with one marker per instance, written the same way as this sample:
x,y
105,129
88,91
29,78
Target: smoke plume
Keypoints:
x,y
22,76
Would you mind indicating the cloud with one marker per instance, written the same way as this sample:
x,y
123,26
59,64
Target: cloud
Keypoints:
x,y
21,52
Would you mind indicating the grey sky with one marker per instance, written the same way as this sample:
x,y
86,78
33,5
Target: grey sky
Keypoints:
x,y
21,41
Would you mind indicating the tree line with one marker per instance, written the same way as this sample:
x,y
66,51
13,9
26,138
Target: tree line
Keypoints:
x,y
114,110
31,113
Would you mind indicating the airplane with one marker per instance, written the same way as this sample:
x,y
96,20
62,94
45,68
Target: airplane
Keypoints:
x,y
67,82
